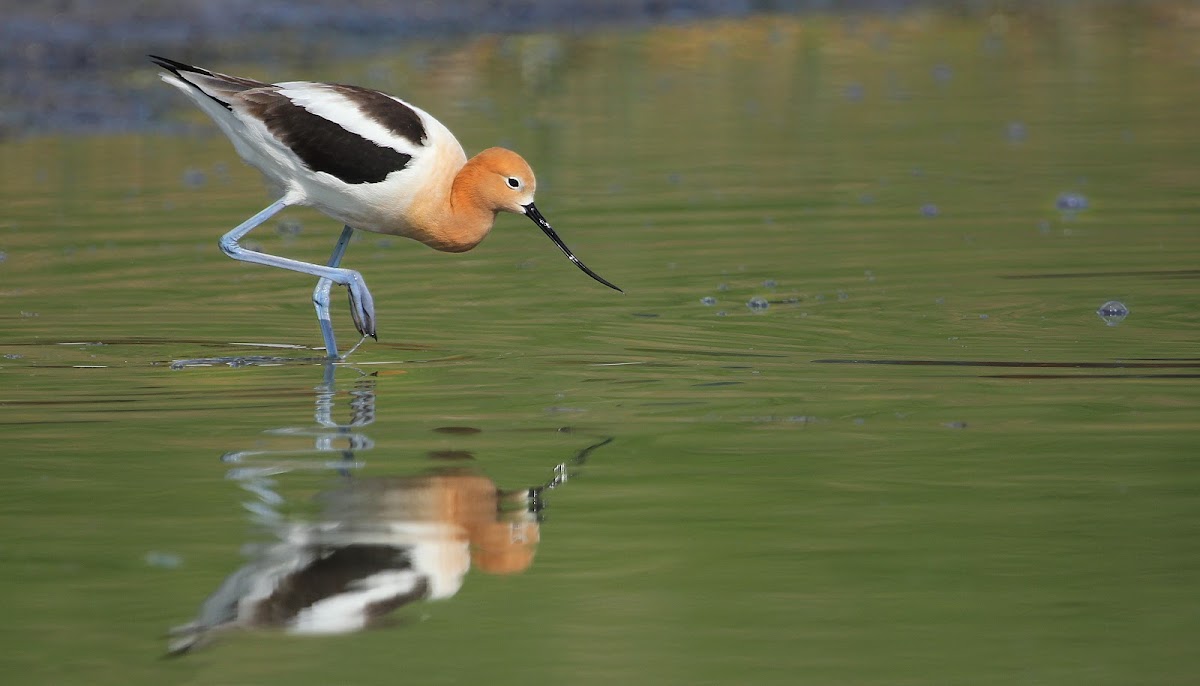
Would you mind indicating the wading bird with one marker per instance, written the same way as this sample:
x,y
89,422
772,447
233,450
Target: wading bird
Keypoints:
x,y
367,159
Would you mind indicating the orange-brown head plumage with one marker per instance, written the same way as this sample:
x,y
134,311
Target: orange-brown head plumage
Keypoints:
x,y
498,180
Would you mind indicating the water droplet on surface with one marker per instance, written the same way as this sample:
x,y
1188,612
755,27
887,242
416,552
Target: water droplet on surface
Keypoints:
x,y
289,227
708,300
1113,312
758,304
1071,202
194,178
1016,132
162,560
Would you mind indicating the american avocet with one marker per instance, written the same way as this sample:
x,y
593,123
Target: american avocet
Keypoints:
x,y
367,159
381,543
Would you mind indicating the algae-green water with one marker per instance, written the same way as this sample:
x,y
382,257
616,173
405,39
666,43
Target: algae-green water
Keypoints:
x,y
926,461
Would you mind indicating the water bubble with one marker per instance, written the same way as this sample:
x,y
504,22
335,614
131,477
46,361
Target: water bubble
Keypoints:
x,y
1015,132
708,300
194,178
1113,312
930,210
1071,202
163,560
289,227
758,304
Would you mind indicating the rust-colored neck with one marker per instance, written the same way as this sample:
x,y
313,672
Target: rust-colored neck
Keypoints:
x,y
454,218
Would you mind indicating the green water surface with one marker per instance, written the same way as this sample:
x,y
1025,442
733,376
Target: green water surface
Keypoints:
x,y
789,497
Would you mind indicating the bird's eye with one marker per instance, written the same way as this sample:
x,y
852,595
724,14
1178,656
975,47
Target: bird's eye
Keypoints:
x,y
514,182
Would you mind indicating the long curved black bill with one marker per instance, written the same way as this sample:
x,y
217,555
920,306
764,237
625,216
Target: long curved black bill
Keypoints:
x,y
532,212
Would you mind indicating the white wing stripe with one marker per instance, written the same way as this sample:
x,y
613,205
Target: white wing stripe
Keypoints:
x,y
325,102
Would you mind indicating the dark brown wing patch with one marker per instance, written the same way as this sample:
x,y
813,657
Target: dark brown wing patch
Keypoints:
x,y
323,145
391,113
334,572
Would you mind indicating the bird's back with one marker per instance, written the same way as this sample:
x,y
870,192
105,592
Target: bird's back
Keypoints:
x,y
357,154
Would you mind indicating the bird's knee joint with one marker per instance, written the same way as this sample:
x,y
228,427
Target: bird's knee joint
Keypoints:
x,y
229,246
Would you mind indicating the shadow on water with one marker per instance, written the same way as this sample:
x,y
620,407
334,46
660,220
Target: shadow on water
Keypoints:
x,y
375,544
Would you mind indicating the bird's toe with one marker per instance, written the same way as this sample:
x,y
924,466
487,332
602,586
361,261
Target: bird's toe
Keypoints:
x,y
362,307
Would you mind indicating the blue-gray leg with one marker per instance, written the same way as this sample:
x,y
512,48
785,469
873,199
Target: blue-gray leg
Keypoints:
x,y
321,294
362,305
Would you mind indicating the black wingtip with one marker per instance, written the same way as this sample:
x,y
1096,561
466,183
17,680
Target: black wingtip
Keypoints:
x,y
175,66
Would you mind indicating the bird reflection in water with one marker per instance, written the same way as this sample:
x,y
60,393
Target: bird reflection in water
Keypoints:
x,y
376,544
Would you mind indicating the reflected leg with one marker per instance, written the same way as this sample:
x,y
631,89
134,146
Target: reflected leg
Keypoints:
x,y
321,294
